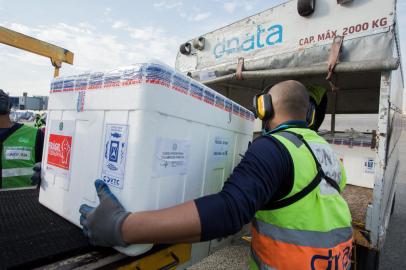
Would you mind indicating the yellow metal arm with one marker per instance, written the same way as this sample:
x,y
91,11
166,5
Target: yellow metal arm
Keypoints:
x,y
57,54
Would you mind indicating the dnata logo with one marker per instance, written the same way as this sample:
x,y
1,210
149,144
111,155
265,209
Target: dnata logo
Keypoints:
x,y
263,37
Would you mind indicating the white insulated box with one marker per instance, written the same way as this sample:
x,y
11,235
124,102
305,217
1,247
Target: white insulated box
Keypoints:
x,y
155,136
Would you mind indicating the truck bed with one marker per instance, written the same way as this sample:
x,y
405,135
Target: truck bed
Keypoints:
x,y
358,199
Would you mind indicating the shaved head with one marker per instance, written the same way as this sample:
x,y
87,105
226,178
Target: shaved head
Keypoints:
x,y
290,100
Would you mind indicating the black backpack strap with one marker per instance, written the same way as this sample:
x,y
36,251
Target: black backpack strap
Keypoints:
x,y
295,138
297,196
4,137
333,183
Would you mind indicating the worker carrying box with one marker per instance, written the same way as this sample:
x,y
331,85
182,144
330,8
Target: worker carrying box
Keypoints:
x,y
288,184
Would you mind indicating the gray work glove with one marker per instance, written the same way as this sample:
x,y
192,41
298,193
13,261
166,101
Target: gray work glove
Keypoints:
x,y
36,176
102,224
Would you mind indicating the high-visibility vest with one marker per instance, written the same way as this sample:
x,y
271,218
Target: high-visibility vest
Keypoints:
x,y
18,157
316,92
39,122
314,232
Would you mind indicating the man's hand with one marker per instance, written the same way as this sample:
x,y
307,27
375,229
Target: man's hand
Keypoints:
x,y
36,176
103,223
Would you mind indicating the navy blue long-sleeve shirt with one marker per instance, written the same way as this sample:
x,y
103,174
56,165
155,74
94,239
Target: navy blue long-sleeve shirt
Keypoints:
x,y
265,173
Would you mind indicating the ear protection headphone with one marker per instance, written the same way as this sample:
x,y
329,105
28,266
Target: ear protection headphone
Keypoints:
x,y
263,108
5,104
311,113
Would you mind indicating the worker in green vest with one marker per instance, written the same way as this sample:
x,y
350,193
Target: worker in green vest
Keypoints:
x,y
288,185
39,121
21,148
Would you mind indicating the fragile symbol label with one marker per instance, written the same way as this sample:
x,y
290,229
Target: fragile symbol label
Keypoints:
x,y
115,151
59,151
60,148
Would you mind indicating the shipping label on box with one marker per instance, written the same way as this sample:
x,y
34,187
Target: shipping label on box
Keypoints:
x,y
59,150
221,147
115,154
60,147
171,157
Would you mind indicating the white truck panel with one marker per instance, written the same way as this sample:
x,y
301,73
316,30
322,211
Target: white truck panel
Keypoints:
x,y
281,33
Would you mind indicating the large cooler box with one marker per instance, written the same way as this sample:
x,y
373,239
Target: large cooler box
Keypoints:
x,y
155,136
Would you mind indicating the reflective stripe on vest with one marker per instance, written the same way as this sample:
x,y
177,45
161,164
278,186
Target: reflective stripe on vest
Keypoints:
x,y
258,263
17,172
273,254
314,232
302,237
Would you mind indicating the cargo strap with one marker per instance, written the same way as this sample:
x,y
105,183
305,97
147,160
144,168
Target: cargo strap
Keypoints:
x,y
291,136
240,68
332,61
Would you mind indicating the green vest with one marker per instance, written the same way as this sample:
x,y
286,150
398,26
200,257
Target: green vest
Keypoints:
x,y
314,231
18,157
316,92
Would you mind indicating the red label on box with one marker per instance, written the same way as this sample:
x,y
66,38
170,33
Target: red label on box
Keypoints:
x,y
59,149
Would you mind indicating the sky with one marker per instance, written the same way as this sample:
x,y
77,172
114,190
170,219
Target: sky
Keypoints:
x,y
107,34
